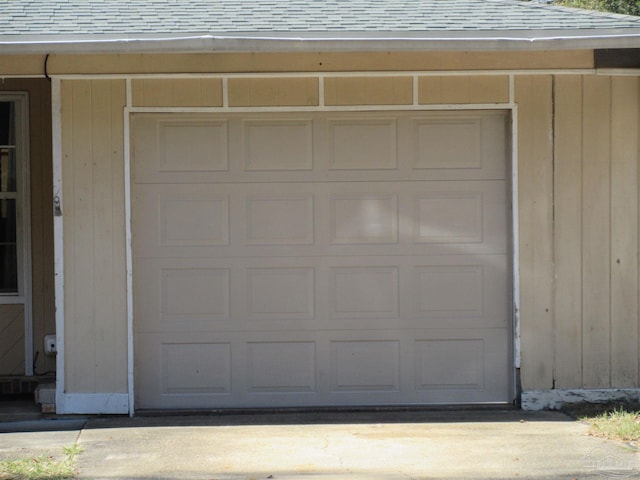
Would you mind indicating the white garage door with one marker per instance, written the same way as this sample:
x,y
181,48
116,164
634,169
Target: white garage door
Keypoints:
x,y
320,259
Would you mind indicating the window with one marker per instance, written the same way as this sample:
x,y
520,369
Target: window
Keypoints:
x,y
15,245
8,200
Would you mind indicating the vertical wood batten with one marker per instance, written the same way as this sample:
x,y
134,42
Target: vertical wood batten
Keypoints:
x,y
568,231
102,228
624,232
68,208
83,359
533,94
596,232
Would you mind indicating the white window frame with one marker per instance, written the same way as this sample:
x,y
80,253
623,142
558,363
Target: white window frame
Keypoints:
x,y
23,222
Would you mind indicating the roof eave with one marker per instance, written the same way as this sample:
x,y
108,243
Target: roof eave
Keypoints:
x,y
463,41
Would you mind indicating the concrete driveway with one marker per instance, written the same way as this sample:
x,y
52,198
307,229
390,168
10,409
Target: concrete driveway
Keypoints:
x,y
446,444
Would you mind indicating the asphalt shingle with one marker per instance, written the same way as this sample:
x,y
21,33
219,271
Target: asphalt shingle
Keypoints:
x,y
220,17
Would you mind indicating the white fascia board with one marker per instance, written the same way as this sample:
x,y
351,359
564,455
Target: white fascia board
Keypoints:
x,y
312,42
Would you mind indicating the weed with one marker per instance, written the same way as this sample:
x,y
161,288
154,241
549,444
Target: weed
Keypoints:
x,y
615,421
42,467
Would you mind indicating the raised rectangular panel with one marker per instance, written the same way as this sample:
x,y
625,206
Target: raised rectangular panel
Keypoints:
x,y
449,143
278,145
449,291
366,366
195,293
363,144
448,218
281,293
189,146
364,218
194,220
281,366
279,220
364,292
194,368
446,364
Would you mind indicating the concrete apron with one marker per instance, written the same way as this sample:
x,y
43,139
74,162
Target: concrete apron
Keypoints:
x,y
377,446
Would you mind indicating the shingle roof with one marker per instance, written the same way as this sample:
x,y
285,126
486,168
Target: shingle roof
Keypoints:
x,y
89,20
46,17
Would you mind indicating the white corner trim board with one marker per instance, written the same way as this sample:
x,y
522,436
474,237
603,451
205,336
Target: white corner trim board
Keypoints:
x,y
555,399
94,403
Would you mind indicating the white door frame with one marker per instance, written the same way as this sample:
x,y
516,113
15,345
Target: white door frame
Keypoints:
x,y
510,106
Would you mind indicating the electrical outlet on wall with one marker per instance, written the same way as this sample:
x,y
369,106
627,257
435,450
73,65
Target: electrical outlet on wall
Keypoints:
x,y
50,345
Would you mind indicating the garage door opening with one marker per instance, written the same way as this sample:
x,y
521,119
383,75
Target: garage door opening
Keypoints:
x,y
321,259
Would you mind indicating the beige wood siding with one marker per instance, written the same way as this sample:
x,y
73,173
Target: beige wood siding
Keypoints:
x,y
94,236
43,309
293,62
578,205
624,232
535,164
368,91
578,231
568,232
264,92
182,92
463,89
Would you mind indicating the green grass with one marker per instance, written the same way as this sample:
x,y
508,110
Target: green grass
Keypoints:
x,y
41,468
615,421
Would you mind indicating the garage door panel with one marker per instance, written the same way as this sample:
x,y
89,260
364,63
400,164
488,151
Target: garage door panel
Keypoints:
x,y
276,144
461,291
362,143
475,364
435,358
181,296
365,365
364,218
459,217
196,368
352,258
187,293
280,293
276,219
205,142
281,367
364,292
179,217
451,145
214,148
339,219
333,368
